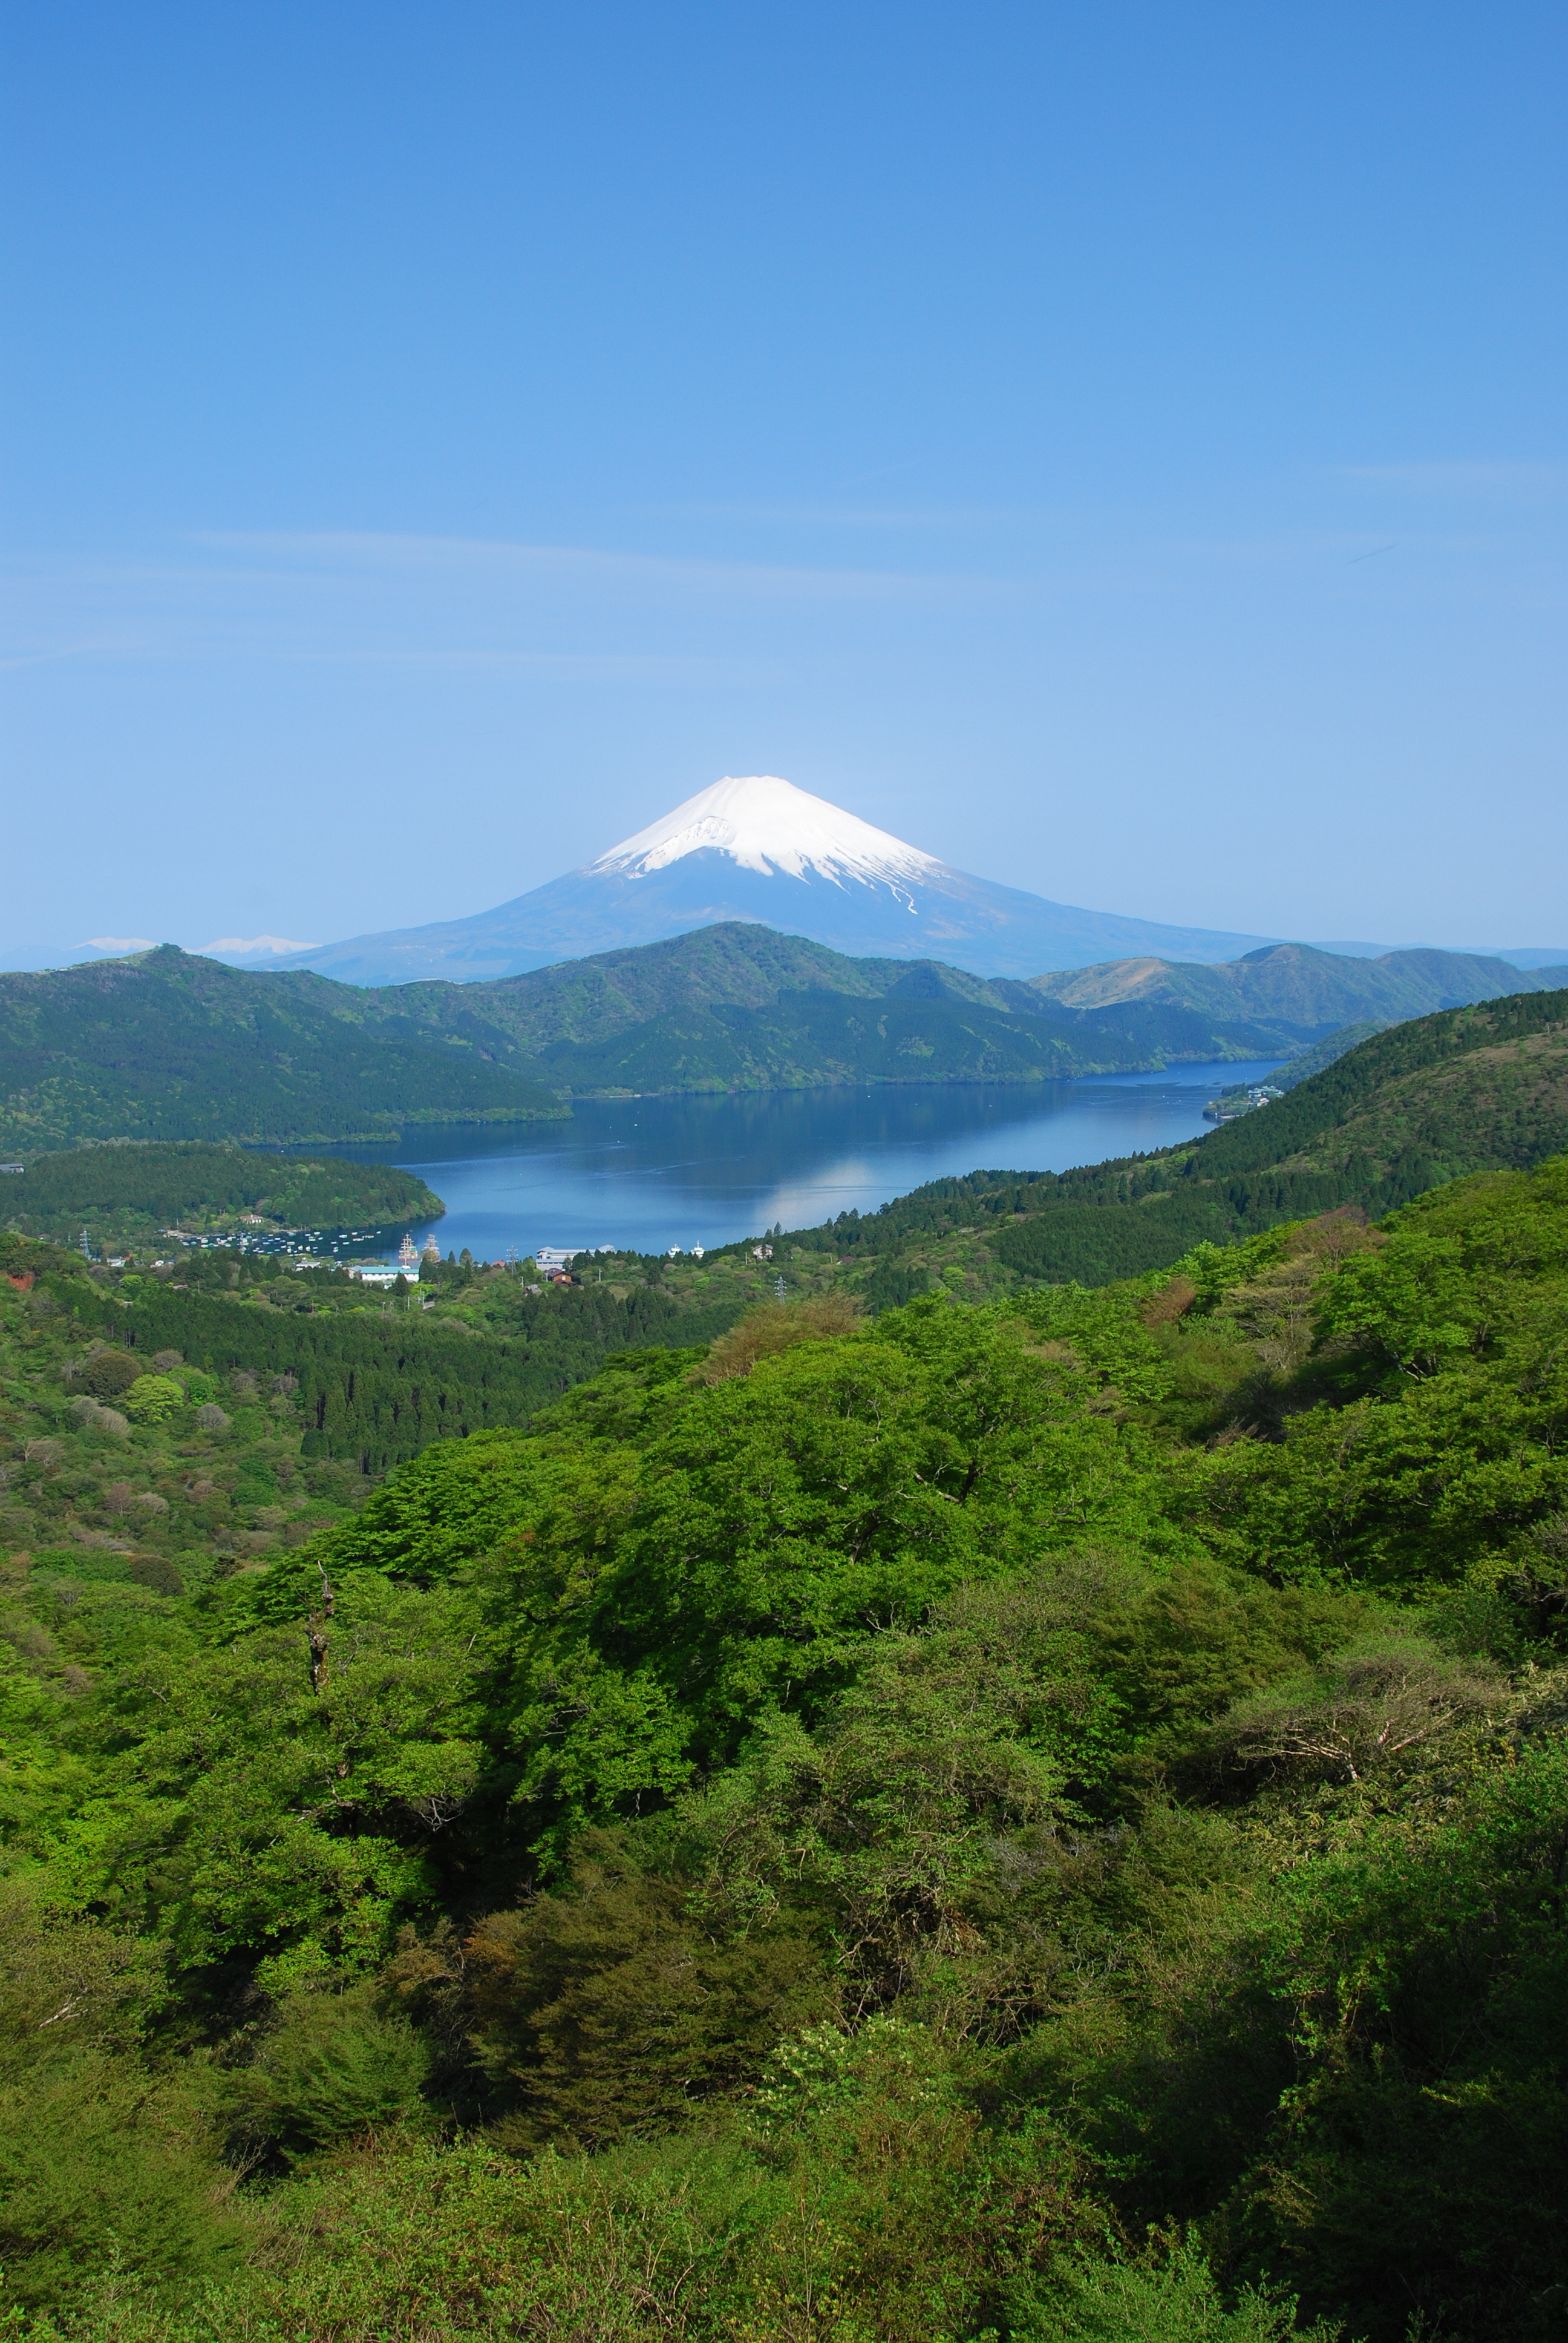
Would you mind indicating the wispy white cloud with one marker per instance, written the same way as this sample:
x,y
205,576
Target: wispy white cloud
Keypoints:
x,y
46,654
255,944
1464,476
544,613
652,572
564,667
595,616
828,516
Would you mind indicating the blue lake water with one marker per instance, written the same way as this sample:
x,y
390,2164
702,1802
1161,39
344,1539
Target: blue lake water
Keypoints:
x,y
649,1172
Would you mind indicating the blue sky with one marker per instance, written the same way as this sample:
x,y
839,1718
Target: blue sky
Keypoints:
x,y
1119,448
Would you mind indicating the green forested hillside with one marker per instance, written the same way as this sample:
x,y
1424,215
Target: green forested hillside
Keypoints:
x,y
1304,1065
739,1007
167,1046
1302,987
138,1189
731,965
808,1039
371,1379
1007,1824
1293,989
1406,1109
1485,1083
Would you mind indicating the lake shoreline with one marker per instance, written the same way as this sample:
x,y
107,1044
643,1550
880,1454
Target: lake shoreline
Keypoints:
x,y
649,1171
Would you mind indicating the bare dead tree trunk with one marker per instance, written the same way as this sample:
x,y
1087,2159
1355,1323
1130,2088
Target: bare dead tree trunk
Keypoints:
x,y
317,1629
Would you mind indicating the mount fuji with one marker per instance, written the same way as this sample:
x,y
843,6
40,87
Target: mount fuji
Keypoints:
x,y
759,849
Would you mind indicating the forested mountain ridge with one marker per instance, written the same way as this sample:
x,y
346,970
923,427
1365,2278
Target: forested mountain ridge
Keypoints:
x,y
1298,985
167,1046
821,1038
737,1006
134,1190
1474,1086
1468,1089
1284,995
1039,1822
734,965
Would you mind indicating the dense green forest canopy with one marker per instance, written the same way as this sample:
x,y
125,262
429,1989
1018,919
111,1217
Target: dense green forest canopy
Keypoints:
x,y
142,1186
1028,1820
370,1381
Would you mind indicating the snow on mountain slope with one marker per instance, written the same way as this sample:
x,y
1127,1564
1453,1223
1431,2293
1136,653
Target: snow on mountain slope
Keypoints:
x,y
758,847
767,825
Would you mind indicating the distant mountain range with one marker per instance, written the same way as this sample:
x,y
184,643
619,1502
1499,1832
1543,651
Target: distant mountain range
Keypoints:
x,y
165,1045
761,849
1306,990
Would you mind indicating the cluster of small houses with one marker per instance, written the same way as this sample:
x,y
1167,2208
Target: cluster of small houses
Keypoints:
x,y
1226,1109
550,1260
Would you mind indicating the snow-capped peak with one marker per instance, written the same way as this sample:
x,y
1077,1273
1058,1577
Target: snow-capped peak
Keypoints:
x,y
769,825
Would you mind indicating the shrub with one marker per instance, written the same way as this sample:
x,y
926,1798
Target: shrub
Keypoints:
x,y
1176,2301
1378,1701
330,2066
614,2008
103,2166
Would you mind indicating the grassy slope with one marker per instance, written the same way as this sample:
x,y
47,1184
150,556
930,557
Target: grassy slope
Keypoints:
x,y
168,1046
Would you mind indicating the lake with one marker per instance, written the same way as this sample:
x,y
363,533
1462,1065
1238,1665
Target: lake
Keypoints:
x,y
648,1173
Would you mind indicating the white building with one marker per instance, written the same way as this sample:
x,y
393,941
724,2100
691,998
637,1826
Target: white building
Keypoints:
x,y
557,1256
